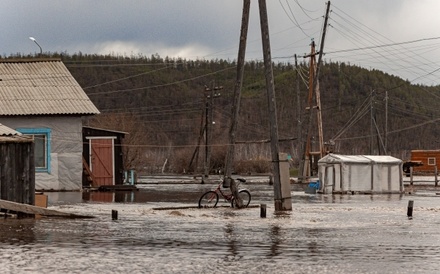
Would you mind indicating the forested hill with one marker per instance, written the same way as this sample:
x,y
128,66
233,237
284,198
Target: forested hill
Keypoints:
x,y
164,101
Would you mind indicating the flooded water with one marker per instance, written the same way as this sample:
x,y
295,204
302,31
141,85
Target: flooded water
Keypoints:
x,y
323,233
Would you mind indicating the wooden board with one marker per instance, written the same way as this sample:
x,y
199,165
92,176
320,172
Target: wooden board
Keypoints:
x,y
29,209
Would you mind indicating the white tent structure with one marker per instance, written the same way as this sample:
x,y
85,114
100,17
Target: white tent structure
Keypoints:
x,y
360,174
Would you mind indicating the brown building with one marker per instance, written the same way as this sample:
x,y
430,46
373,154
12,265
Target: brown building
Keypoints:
x,y
428,160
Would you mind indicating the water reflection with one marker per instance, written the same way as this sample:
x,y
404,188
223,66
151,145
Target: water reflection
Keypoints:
x,y
312,245
17,231
110,197
232,252
275,235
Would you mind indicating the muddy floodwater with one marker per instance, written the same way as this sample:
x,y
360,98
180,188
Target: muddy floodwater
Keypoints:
x,y
322,234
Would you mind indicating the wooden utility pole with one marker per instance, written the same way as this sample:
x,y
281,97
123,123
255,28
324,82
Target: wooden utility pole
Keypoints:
x,y
281,203
209,119
386,122
371,121
208,104
195,155
314,91
236,103
298,115
307,170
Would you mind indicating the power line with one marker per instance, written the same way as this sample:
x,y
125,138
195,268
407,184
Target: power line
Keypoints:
x,y
162,85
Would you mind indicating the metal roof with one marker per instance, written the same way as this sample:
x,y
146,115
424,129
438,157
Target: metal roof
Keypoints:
x,y
41,87
6,131
108,130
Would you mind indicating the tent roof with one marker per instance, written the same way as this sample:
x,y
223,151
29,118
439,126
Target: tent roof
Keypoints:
x,y
359,159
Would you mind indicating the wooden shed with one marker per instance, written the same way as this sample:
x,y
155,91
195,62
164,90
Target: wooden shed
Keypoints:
x,y
429,159
102,157
17,168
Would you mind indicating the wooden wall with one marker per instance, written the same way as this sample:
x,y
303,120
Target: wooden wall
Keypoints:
x,y
17,170
424,156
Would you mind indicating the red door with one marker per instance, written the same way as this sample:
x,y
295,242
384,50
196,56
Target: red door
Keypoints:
x,y
102,161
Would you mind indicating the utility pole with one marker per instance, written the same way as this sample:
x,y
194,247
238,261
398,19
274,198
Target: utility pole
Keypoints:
x,y
281,203
314,91
306,168
236,103
196,150
209,120
371,121
279,190
298,114
386,122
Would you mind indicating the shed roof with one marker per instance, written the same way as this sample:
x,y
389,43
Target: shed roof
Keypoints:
x,y
41,87
106,130
359,159
6,131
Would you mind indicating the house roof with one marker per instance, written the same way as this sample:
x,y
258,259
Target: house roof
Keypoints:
x,y
6,131
41,87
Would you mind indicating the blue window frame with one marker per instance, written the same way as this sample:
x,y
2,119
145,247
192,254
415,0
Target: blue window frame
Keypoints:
x,y
42,147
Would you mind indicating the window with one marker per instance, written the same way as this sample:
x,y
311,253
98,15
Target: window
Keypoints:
x,y
42,147
431,161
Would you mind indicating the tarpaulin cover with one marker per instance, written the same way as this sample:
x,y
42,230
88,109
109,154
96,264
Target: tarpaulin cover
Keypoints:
x,y
360,173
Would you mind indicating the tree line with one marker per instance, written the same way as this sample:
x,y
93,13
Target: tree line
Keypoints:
x,y
162,103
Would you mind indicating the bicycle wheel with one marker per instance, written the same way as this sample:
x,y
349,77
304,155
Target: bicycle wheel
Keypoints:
x,y
245,197
209,199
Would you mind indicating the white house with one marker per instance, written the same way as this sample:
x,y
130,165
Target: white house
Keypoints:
x,y
40,97
360,174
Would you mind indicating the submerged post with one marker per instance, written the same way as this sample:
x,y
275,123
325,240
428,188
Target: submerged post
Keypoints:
x,y
114,214
410,209
263,211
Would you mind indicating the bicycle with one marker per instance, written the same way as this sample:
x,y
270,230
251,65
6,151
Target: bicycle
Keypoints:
x,y
210,198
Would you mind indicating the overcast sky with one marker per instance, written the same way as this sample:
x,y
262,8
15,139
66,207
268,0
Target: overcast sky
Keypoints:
x,y
400,37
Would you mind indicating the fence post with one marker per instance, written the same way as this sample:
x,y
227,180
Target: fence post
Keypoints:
x,y
114,214
263,210
435,175
411,175
410,209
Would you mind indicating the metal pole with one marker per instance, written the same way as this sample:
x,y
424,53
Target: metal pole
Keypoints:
x,y
35,41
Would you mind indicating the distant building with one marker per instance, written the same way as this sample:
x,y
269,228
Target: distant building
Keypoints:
x,y
428,160
40,98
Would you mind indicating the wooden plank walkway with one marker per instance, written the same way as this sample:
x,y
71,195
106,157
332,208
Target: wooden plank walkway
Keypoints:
x,y
30,209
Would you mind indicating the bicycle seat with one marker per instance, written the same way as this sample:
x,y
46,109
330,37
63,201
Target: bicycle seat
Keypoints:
x,y
242,180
